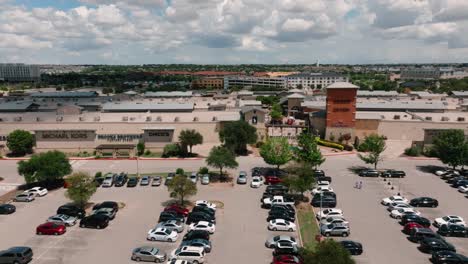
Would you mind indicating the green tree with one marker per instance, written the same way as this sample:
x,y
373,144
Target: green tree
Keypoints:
x,y
190,138
20,142
300,178
107,90
451,147
46,166
236,135
307,151
171,150
221,157
81,187
276,151
374,145
327,252
181,187
276,111
140,148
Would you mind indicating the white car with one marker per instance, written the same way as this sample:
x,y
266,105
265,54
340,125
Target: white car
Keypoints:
x,y
323,183
281,225
205,204
463,189
38,191
442,172
398,213
178,261
256,182
162,234
334,220
25,197
108,181
392,199
322,189
329,212
63,219
203,225
395,206
449,219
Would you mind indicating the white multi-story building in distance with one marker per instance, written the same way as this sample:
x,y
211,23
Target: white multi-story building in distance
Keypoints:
x,y
17,72
317,80
243,81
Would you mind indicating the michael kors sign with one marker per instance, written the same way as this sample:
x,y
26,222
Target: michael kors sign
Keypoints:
x,y
71,135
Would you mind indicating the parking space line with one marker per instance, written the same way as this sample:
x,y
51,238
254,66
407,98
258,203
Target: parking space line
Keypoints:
x,y
59,239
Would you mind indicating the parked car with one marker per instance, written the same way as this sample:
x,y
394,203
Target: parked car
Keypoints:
x,y
273,241
156,181
449,219
417,234
205,210
169,178
170,215
108,180
205,203
287,259
353,247
393,174
326,201
63,219
175,225
109,212
25,197
280,187
194,217
396,206
71,210
453,230
273,180
369,173
446,171
203,243
424,202
194,254
16,255
285,248
242,178
38,191
148,254
410,226
430,245
392,199
282,210
197,234
121,180
448,257
145,180
162,234
193,177
203,225
256,182
205,180
318,173
463,189
335,230
107,204
51,229
460,183
132,182
285,207
415,218
399,213
280,215
281,225
337,220
178,209
329,212
95,221
321,189
7,209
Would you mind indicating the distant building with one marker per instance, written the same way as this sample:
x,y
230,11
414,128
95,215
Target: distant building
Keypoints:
x,y
420,74
242,81
314,80
209,82
19,73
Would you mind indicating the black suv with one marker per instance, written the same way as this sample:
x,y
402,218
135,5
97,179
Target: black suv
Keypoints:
x,y
430,245
448,257
354,248
369,173
132,182
98,221
328,200
7,209
453,230
424,202
121,180
107,204
170,215
415,218
194,217
285,207
280,215
282,210
71,210
205,210
16,255
197,234
393,174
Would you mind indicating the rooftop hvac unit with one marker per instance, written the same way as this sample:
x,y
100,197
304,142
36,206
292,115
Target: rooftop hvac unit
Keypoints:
x,y
214,118
159,119
124,118
195,119
176,119
59,118
148,118
82,118
428,118
38,119
396,117
444,118
132,118
461,119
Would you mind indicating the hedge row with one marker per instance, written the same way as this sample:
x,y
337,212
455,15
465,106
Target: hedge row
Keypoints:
x,y
329,144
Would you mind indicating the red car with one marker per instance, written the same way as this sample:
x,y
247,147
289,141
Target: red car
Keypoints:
x,y
410,226
178,209
51,229
287,259
272,180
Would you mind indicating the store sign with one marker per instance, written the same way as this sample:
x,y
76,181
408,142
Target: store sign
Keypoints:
x,y
157,135
71,135
119,137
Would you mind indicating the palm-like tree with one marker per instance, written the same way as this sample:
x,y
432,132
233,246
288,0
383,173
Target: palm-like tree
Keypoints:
x,y
190,138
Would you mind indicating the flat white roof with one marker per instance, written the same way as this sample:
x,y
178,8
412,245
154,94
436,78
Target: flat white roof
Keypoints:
x,y
342,85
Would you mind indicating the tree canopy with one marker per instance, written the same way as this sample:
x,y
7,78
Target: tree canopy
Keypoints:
x,y
276,111
181,187
20,142
451,147
300,178
307,151
236,135
45,166
221,157
276,151
190,138
81,187
374,145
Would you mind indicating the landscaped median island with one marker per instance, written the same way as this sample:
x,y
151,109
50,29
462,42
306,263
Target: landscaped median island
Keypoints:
x,y
308,226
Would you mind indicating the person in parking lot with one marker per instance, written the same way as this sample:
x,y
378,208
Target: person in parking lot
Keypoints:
x,y
360,184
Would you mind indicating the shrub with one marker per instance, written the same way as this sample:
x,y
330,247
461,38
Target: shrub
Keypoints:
x,y
171,150
98,175
147,152
259,144
180,171
430,152
332,137
203,170
329,144
413,151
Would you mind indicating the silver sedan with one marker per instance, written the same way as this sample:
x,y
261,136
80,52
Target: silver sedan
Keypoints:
x,y
273,241
172,225
63,219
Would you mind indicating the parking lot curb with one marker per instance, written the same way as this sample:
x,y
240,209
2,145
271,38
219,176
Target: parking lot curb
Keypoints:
x,y
19,159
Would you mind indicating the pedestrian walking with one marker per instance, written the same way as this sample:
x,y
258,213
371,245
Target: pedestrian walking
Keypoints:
x,y
360,184
356,185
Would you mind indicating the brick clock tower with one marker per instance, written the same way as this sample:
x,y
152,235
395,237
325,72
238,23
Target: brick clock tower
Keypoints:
x,y
341,110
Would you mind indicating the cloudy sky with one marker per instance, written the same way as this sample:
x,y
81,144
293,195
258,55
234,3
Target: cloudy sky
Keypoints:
x,y
233,31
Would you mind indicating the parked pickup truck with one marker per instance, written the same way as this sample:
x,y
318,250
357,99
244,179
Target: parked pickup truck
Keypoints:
x,y
268,202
